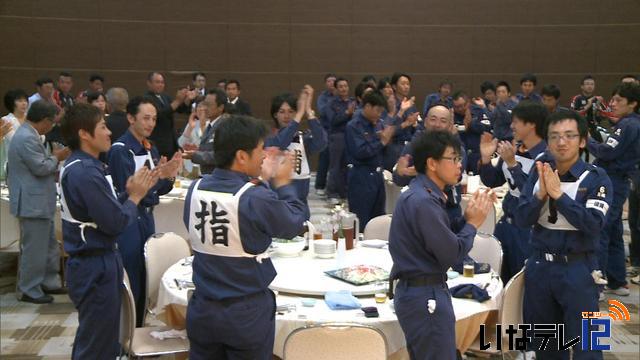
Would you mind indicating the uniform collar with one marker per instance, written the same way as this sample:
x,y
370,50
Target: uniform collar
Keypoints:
x,y
430,187
226,174
83,156
536,150
132,142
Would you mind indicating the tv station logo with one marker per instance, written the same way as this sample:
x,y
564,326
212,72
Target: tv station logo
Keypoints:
x,y
596,326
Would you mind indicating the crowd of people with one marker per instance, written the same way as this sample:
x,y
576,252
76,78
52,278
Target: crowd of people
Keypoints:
x,y
569,170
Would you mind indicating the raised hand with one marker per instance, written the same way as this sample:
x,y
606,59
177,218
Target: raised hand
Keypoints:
x,y
403,168
139,184
507,152
488,146
542,189
552,182
479,207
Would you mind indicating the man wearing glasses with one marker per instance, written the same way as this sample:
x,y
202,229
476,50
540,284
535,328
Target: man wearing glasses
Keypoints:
x,y
423,246
566,201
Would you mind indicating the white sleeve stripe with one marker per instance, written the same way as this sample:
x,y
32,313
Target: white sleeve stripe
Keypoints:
x,y
598,205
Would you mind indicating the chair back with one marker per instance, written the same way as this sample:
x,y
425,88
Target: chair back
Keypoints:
x,y
512,302
487,249
336,341
127,315
160,252
378,228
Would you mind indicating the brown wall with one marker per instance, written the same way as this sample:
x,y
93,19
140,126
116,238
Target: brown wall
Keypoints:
x,y
276,46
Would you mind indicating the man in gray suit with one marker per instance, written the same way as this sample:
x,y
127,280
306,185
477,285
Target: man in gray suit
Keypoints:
x,y
217,101
32,189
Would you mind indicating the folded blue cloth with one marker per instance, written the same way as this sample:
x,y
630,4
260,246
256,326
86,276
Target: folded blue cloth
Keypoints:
x,y
341,300
470,291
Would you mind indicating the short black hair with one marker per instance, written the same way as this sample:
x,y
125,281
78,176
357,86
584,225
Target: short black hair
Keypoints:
x,y
361,88
629,91
335,83
503,83
368,78
487,85
329,75
529,77
43,80
95,95
396,77
587,77
374,98
233,81
533,113
382,83
64,74
196,74
562,115
221,96
94,77
445,82
11,96
277,102
133,107
222,81
41,110
235,133
150,75
459,94
432,144
79,117
551,90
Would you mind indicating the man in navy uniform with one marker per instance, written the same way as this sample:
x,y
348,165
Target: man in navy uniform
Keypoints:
x,y
404,119
127,155
551,98
501,116
365,140
528,87
514,167
566,201
92,219
338,112
231,217
423,246
619,156
443,96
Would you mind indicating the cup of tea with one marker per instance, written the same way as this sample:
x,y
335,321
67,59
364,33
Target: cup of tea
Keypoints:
x,y
468,268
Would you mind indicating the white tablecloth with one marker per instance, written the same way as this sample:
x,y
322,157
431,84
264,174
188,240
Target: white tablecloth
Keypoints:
x,y
307,273
168,214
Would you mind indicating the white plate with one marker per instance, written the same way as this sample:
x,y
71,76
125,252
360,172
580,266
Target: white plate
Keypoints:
x,y
374,243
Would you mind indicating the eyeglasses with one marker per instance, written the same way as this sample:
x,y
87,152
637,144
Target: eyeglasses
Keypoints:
x,y
566,137
455,160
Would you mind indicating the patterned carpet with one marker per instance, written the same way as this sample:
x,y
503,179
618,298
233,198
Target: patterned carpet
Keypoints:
x,y
31,331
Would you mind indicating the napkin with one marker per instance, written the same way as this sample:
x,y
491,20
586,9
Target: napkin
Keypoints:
x,y
341,300
470,291
169,334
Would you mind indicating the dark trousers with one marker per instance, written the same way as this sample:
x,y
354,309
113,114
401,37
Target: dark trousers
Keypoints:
x,y
558,293
95,284
337,185
232,329
515,247
39,257
611,253
302,189
428,335
366,194
323,169
634,222
131,245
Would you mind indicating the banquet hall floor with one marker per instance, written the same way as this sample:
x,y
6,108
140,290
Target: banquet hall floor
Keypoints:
x,y
30,331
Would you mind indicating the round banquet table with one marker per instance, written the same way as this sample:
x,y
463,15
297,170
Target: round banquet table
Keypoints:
x,y
303,277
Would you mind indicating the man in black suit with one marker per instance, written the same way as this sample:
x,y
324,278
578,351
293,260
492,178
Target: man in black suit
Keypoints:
x,y
117,100
217,102
164,135
233,93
